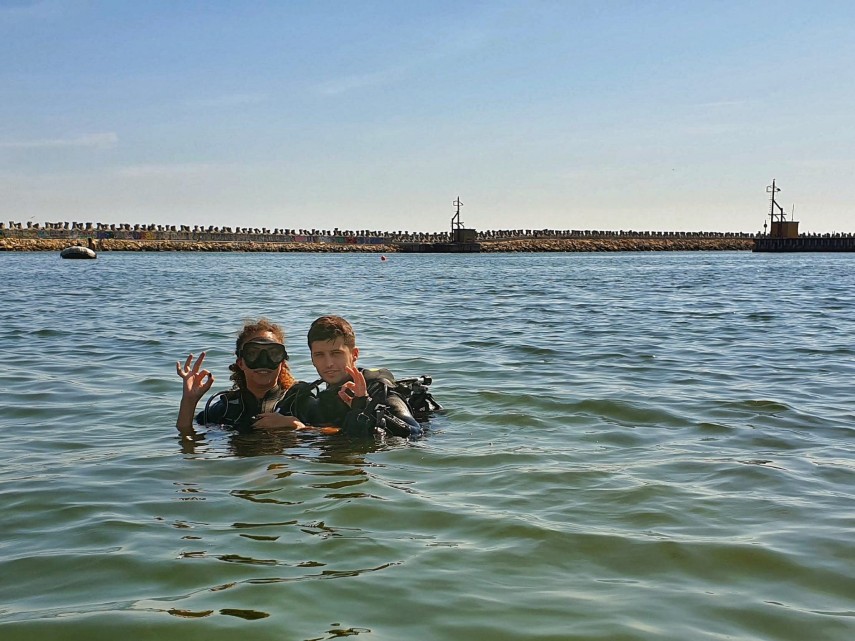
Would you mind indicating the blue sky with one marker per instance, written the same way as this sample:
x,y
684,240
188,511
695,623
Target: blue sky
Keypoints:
x,y
377,115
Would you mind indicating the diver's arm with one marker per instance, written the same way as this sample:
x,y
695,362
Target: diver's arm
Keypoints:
x,y
197,382
299,405
275,420
186,415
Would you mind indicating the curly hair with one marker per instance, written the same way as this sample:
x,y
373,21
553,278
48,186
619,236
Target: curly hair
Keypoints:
x,y
251,328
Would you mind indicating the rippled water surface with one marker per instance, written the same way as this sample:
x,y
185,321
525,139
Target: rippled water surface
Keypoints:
x,y
636,446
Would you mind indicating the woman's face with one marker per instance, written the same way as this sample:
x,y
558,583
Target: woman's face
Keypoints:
x,y
262,378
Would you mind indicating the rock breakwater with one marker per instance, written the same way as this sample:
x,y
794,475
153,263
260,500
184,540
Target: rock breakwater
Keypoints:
x,y
107,245
617,244
492,246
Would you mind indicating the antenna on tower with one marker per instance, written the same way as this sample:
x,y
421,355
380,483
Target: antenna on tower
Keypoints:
x,y
780,227
456,223
773,215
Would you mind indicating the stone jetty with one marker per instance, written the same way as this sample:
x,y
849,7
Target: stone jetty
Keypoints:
x,y
158,238
496,246
11,244
617,244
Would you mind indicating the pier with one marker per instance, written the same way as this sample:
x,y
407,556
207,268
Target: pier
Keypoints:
x,y
825,243
783,235
463,240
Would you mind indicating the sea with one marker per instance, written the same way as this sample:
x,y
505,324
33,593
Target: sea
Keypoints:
x,y
633,447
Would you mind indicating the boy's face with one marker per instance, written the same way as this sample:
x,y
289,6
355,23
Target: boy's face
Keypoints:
x,y
332,358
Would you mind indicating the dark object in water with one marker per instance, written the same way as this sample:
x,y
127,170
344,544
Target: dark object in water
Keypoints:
x,y
415,392
77,252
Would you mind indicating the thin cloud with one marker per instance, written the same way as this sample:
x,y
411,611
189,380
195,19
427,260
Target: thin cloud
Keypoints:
x,y
338,86
102,140
463,41
723,104
170,169
38,9
599,174
709,129
228,100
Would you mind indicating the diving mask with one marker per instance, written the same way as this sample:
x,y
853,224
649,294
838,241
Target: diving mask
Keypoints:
x,y
263,354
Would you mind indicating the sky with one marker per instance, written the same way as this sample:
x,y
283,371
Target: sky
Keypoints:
x,y
377,115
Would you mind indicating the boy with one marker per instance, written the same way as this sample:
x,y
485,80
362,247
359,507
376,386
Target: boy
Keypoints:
x,y
361,402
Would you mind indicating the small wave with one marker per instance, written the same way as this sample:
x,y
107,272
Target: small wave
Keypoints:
x,y
629,413
761,406
826,352
47,332
716,428
766,317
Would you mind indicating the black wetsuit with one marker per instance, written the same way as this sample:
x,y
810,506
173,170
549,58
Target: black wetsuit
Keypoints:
x,y
239,409
383,411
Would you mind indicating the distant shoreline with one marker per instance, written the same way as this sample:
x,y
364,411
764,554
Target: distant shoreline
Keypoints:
x,y
536,245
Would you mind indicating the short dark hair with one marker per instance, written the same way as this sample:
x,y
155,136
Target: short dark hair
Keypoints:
x,y
329,328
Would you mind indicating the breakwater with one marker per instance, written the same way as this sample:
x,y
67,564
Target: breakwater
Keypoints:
x,y
616,244
55,236
496,246
806,243
52,244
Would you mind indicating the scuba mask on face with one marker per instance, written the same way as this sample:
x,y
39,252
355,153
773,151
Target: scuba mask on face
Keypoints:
x,y
263,354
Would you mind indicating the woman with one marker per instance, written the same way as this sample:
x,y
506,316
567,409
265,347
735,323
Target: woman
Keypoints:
x,y
261,378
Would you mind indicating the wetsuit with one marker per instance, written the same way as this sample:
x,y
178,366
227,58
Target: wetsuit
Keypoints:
x,y
239,409
383,411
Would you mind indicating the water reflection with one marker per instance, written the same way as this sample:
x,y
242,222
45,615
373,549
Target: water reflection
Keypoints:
x,y
241,613
244,614
262,442
258,496
331,448
189,614
309,473
336,632
324,574
228,558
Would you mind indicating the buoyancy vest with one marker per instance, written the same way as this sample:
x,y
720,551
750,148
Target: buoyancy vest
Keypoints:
x,y
238,408
383,411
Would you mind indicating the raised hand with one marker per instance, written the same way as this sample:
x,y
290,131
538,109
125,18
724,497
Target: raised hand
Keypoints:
x,y
197,381
355,388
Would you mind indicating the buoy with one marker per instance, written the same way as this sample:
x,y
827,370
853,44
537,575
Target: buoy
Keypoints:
x,y
77,252
382,259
